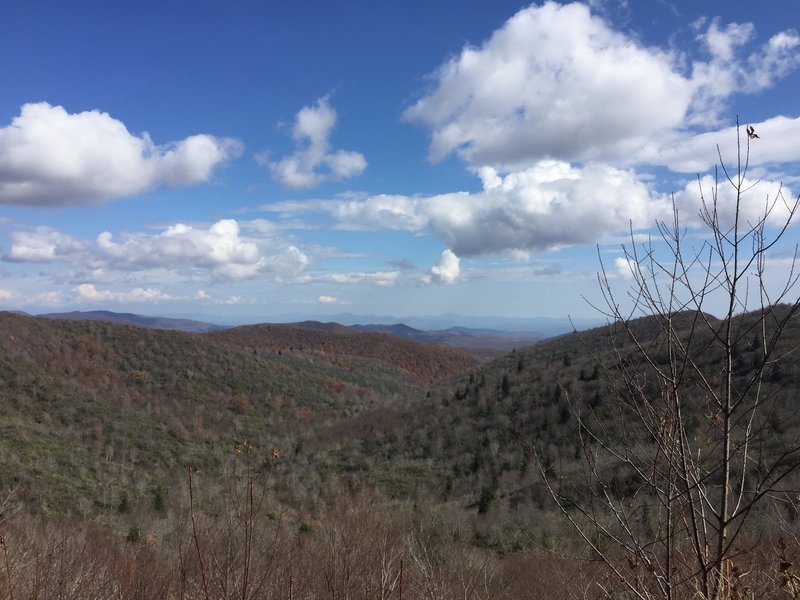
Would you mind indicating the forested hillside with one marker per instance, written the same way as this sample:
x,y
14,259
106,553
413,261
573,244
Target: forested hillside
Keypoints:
x,y
311,430
94,411
423,362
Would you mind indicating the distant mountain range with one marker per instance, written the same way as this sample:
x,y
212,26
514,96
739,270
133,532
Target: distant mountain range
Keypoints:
x,y
187,325
541,326
490,337
485,342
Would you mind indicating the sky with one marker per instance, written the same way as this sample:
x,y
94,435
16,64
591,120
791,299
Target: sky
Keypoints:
x,y
245,160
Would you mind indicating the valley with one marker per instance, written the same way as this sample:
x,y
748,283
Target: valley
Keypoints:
x,y
315,441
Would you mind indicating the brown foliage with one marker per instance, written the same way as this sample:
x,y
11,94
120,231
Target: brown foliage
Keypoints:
x,y
424,362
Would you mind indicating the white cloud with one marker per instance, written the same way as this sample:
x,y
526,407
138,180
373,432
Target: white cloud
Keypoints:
x,y
50,157
381,211
757,198
722,43
44,244
556,81
328,300
206,298
553,82
777,143
730,71
624,268
6,294
362,212
379,278
447,270
219,249
314,162
217,252
548,205
344,164
288,265
87,291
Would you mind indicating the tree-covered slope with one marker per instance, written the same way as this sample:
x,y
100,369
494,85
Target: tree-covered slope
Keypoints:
x,y
90,408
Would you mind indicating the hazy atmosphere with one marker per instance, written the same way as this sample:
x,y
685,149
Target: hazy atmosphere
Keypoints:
x,y
250,160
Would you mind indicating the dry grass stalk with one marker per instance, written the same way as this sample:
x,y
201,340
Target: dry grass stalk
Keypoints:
x,y
194,535
8,566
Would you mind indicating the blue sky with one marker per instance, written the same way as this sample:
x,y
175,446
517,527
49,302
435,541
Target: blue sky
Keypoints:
x,y
253,159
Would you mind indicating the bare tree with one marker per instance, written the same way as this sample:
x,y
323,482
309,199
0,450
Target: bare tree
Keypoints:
x,y
680,471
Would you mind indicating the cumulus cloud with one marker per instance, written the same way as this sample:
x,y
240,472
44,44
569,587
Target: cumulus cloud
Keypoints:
x,y
217,252
218,248
44,244
548,205
447,270
49,157
556,81
328,300
314,162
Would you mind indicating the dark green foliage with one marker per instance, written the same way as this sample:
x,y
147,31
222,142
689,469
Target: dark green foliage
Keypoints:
x,y
487,497
159,500
505,387
124,505
134,535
